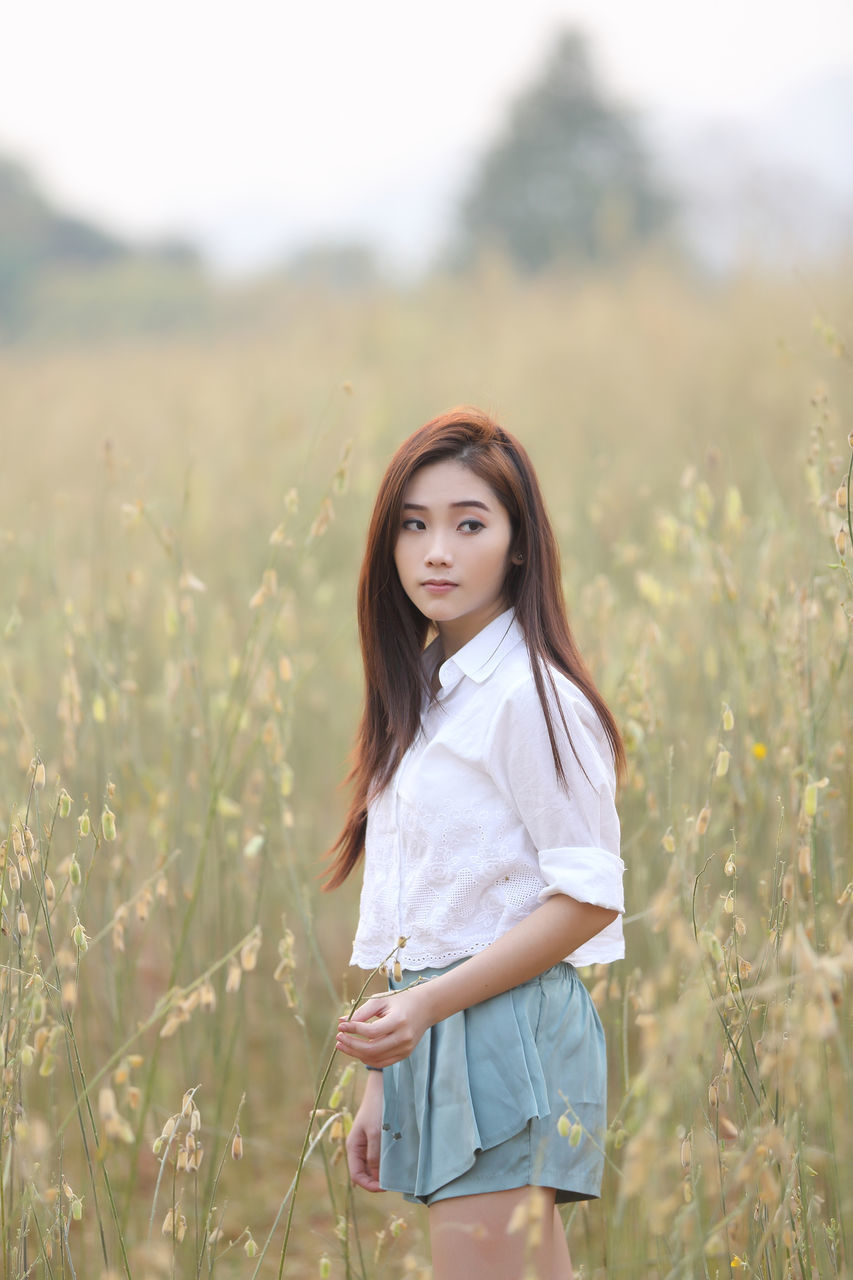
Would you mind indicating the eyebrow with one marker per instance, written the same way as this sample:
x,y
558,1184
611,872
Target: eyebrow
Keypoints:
x,y
468,502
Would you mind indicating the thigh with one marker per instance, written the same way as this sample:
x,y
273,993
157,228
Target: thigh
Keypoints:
x,y
504,1235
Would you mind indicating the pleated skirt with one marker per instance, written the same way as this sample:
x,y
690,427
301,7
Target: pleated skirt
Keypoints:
x,y
479,1104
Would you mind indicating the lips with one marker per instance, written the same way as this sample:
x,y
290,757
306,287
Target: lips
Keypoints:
x,y
438,585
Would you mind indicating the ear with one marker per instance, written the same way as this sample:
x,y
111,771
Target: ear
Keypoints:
x,y
517,557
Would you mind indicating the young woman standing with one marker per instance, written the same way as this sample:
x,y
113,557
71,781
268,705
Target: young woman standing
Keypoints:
x,y
484,781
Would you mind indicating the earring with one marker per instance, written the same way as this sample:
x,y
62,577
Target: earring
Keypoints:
x,y
518,558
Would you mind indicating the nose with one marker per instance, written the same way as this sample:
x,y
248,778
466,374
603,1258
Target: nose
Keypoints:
x,y
438,552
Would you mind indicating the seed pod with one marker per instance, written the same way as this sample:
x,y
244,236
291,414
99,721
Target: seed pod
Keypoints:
x,y
398,971
75,875
169,1128
107,1106
14,877
80,938
841,540
108,824
563,1126
84,823
250,1248
64,803
237,1146
722,763
23,923
76,1208
841,496
39,777
728,719
727,1129
810,800
575,1134
702,821
49,890
249,952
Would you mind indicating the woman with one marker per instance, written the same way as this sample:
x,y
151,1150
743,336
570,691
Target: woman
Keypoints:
x,y
484,783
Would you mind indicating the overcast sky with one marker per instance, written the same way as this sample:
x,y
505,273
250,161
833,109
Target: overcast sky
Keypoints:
x,y
263,122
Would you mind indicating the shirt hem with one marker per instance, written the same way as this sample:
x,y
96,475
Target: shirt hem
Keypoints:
x,y
580,959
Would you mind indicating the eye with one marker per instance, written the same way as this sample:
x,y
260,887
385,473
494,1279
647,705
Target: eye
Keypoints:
x,y
472,525
413,523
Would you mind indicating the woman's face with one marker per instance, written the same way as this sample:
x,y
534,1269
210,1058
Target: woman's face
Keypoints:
x,y
453,550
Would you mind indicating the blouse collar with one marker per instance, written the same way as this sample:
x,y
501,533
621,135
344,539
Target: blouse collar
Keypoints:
x,y
481,655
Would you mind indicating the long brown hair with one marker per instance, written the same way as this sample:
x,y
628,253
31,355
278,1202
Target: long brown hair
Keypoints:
x,y
393,631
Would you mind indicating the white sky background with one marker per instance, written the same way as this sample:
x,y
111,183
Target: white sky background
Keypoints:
x,y
258,124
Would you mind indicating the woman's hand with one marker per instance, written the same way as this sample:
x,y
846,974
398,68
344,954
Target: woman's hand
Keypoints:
x,y
385,1029
365,1136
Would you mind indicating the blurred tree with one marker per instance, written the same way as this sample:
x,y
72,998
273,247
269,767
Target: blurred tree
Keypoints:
x,y
569,176
336,266
36,240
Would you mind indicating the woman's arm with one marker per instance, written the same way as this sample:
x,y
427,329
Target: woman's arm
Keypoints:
x,y
386,1029
365,1136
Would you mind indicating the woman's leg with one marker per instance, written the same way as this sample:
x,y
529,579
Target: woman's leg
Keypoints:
x,y
562,1268
499,1235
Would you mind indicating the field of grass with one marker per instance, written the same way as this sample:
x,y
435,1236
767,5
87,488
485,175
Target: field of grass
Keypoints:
x,y
180,534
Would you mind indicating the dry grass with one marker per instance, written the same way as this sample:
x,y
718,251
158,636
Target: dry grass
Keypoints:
x,y
180,535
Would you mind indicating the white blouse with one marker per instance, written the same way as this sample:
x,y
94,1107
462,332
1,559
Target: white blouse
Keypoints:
x,y
474,829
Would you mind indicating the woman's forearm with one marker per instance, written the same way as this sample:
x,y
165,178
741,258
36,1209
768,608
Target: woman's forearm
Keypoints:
x,y
554,930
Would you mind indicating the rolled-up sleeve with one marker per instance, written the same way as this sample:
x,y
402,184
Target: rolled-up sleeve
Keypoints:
x,y
574,828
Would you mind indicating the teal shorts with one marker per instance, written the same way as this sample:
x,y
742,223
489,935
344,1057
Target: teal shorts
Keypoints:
x,y
476,1106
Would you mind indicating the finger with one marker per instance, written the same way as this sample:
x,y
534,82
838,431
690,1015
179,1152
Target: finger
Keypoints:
x,y
368,1183
362,1030
356,1047
374,1143
365,1012
363,1169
